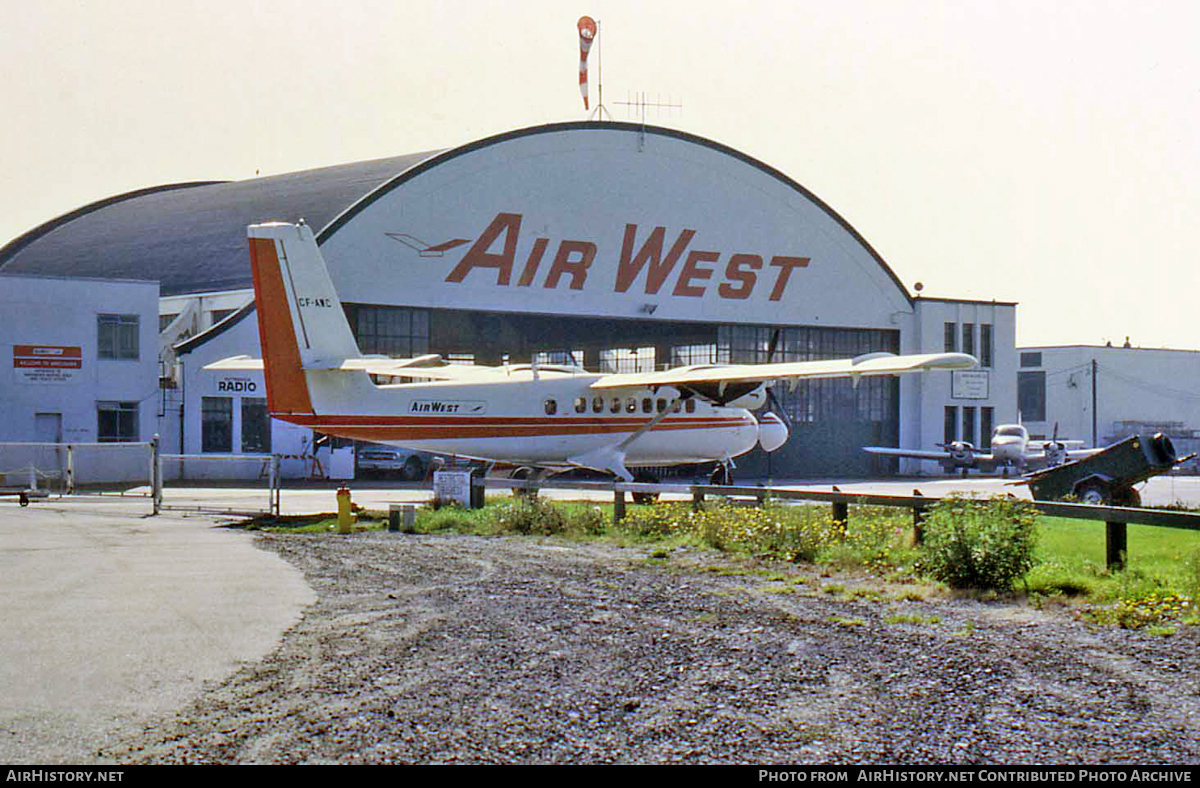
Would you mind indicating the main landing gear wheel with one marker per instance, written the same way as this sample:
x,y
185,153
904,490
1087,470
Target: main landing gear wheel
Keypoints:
x,y
524,474
645,497
721,475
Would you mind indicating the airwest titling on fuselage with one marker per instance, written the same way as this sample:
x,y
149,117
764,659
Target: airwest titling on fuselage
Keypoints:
x,y
551,417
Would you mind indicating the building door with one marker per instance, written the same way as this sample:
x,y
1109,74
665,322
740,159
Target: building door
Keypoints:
x,y
47,427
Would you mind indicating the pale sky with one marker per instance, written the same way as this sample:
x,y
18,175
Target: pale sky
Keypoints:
x,y
1039,151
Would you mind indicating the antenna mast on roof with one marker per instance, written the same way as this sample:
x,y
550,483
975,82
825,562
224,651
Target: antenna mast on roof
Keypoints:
x,y
640,104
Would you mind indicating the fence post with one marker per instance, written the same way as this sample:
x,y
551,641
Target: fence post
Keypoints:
x,y
697,499
618,506
276,484
70,469
156,482
841,512
1115,545
918,525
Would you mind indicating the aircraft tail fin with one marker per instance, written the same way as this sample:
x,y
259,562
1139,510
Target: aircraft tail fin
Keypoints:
x,y
300,319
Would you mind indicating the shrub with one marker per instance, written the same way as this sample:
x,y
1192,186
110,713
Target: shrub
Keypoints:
x,y
978,543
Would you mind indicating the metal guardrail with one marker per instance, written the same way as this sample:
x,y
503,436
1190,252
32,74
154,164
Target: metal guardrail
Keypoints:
x,y
1115,518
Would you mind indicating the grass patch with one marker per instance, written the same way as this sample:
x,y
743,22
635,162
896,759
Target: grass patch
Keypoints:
x,y
911,618
313,523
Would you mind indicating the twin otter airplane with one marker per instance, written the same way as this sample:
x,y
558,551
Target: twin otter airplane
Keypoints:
x,y
549,418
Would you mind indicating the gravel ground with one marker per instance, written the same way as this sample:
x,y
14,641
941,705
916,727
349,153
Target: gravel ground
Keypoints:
x,y
456,649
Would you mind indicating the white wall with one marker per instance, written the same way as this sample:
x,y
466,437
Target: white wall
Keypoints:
x,y
1133,385
925,397
61,316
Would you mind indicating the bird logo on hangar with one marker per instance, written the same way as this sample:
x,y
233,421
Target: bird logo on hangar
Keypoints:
x,y
572,262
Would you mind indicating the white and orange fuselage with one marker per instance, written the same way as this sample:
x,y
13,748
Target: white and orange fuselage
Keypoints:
x,y
542,422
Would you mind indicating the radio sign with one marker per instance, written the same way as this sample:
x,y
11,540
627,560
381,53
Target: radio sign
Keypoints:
x,y
237,385
47,363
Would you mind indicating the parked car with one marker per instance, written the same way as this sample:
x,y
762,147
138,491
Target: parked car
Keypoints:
x,y
394,463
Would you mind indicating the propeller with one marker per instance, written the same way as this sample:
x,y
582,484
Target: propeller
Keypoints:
x,y
960,451
1055,452
773,403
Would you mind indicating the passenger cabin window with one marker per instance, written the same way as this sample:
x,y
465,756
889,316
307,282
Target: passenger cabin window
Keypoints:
x,y
690,406
660,405
551,407
615,407
647,405
581,404
631,405
597,404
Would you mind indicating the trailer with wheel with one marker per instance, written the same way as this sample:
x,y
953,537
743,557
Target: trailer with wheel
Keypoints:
x,y
1108,476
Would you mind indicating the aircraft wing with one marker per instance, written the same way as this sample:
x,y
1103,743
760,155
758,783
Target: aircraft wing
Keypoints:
x,y
923,454
860,366
431,367
888,451
1074,454
423,367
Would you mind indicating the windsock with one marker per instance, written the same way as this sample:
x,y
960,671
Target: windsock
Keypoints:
x,y
587,32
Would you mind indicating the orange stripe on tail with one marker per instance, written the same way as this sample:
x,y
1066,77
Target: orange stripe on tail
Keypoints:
x,y
287,388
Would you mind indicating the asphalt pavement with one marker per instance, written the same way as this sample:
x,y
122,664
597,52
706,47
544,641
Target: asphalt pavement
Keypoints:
x,y
112,617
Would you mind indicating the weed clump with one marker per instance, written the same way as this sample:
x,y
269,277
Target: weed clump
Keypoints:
x,y
535,516
985,544
789,533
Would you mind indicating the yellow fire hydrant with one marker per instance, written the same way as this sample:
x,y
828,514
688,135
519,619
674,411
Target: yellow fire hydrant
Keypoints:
x,y
345,510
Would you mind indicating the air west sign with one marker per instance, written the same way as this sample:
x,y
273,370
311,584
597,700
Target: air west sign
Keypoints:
x,y
652,261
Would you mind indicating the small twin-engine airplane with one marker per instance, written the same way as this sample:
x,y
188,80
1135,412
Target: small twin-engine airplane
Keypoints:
x,y
548,418
1011,448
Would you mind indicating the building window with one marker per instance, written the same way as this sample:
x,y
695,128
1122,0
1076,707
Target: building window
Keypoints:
x,y
256,426
951,338
1031,359
216,424
985,345
118,336
1031,395
968,430
987,422
968,336
116,422
950,428
874,399
392,330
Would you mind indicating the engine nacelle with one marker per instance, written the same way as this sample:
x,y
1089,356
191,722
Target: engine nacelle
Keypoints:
x,y
772,432
752,400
